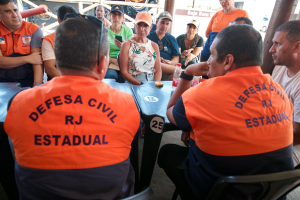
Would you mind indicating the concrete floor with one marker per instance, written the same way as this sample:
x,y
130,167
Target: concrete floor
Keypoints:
x,y
161,185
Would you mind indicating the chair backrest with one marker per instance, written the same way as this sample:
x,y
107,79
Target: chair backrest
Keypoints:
x,y
143,195
274,186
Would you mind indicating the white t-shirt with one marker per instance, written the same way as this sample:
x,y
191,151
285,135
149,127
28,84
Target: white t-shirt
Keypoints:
x,y
47,51
291,86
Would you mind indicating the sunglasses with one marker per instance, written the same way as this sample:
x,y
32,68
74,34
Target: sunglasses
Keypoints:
x,y
94,20
160,44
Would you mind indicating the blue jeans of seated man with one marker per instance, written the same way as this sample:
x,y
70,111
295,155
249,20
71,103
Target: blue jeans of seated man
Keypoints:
x,y
113,74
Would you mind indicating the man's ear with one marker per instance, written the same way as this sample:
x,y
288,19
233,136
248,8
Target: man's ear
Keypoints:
x,y
229,60
297,47
59,20
103,65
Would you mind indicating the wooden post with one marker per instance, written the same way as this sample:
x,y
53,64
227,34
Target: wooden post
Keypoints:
x,y
169,6
293,10
80,7
89,8
298,17
20,7
281,14
158,10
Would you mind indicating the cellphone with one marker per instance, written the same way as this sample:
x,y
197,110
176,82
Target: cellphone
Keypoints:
x,y
118,37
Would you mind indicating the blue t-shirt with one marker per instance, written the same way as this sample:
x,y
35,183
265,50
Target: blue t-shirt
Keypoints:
x,y
168,46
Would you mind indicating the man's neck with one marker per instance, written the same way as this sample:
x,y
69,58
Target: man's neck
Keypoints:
x,y
293,68
160,36
13,28
72,72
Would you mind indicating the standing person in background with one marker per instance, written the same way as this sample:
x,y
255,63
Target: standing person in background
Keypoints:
x,y
139,56
117,34
220,20
190,44
167,44
20,47
100,12
48,44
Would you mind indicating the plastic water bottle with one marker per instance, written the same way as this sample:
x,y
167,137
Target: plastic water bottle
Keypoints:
x,y
176,77
196,80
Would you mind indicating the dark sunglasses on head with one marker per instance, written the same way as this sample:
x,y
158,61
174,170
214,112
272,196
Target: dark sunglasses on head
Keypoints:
x,y
160,44
94,20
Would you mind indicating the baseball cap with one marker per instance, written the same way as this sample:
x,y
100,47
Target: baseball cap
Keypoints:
x,y
194,22
117,8
143,17
165,15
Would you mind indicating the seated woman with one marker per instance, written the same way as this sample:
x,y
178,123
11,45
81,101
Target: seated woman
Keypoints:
x,y
117,33
190,44
139,56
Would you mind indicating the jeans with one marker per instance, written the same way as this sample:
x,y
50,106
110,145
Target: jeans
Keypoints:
x,y
112,74
143,77
182,61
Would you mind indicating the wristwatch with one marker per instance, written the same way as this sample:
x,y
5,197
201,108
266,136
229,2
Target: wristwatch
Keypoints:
x,y
186,76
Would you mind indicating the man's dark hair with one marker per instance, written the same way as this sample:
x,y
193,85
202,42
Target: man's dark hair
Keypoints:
x,y
247,20
63,10
4,2
100,7
241,41
293,30
77,44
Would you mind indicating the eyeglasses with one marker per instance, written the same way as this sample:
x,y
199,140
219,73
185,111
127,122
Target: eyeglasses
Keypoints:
x,y
94,20
160,44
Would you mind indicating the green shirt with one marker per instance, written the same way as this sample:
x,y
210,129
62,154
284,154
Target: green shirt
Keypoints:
x,y
126,34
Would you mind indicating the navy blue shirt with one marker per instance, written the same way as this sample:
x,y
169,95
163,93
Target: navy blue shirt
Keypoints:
x,y
180,117
168,46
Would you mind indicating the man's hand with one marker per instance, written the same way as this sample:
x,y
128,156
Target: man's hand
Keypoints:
x,y
185,138
198,69
35,58
118,43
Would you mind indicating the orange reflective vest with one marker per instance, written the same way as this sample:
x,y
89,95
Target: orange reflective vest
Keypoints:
x,y
50,38
18,41
14,45
244,112
72,122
